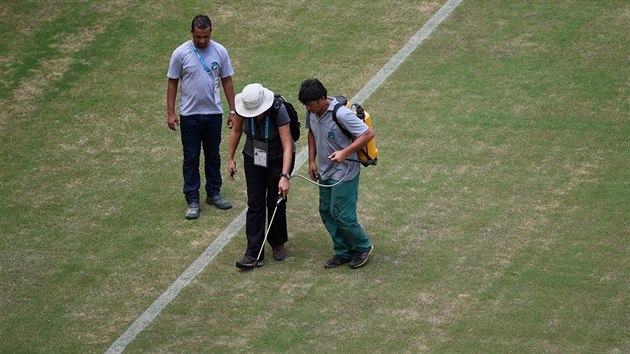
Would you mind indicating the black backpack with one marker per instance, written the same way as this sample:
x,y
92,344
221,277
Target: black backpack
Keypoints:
x,y
295,120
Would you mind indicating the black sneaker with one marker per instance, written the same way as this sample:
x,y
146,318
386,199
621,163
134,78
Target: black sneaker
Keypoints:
x,y
219,202
359,258
248,262
335,262
193,210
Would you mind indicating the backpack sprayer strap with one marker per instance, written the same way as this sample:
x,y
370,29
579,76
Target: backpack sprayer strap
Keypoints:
x,y
334,117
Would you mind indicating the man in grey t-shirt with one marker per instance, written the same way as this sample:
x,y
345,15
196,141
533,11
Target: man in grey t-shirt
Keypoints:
x,y
202,66
329,151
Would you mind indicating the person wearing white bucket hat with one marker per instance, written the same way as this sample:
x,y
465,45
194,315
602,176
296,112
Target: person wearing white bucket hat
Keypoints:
x,y
268,158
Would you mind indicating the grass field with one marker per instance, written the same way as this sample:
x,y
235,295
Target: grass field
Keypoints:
x,y
499,210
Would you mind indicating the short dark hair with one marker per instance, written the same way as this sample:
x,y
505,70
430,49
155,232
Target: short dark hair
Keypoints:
x,y
312,90
201,22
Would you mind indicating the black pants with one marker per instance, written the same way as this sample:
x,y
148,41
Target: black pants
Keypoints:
x,y
262,195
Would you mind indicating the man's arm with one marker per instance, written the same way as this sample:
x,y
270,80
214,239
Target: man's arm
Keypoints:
x,y
312,155
228,89
171,93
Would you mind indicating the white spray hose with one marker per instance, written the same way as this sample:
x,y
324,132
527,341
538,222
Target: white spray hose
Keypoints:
x,y
280,199
319,184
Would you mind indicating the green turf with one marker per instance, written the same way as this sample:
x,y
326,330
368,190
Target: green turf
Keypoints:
x,y
499,208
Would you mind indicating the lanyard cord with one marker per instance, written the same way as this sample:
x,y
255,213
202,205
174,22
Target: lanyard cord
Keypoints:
x,y
214,83
253,132
203,62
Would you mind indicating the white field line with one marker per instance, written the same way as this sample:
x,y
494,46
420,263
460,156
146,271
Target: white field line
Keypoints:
x,y
224,238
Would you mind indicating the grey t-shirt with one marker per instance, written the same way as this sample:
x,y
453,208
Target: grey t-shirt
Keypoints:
x,y
200,92
329,138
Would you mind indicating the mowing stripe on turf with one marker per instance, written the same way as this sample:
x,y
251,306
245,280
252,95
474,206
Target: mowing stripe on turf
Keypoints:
x,y
224,238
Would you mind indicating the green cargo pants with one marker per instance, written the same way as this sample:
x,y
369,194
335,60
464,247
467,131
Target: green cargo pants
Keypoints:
x,y
338,210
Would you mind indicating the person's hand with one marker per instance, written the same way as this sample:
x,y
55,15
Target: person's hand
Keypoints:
x,y
231,169
312,170
172,121
283,187
230,121
338,156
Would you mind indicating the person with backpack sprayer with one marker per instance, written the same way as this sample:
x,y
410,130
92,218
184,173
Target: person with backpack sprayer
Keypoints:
x,y
328,151
269,156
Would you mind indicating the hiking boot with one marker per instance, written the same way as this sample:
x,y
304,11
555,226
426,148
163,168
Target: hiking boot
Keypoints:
x,y
248,262
359,258
193,210
335,262
279,253
219,202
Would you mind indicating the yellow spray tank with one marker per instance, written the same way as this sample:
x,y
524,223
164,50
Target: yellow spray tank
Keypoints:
x,y
368,155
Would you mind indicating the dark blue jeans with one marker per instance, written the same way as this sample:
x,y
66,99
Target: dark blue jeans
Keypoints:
x,y
201,131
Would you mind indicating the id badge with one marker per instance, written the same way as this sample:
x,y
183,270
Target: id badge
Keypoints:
x,y
260,153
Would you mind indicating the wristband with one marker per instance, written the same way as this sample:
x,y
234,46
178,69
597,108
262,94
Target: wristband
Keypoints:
x,y
288,177
232,112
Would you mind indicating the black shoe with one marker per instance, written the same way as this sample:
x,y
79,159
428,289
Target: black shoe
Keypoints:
x,y
193,210
279,253
335,262
359,258
249,263
219,202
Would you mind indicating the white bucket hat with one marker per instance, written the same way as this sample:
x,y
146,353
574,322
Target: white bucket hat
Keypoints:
x,y
254,100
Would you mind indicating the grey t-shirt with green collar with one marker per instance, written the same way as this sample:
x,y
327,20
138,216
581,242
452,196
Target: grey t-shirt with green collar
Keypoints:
x,y
329,138
200,92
